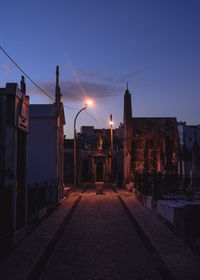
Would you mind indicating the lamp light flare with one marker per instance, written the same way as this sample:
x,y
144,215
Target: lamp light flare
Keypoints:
x,y
111,122
88,102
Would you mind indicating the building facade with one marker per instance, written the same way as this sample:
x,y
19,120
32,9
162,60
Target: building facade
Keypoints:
x,y
14,128
189,154
94,161
150,144
68,161
94,154
46,146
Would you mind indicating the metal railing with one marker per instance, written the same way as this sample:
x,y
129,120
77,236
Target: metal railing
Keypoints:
x,y
168,186
36,199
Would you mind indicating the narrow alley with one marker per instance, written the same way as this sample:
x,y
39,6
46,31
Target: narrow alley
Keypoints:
x,y
100,243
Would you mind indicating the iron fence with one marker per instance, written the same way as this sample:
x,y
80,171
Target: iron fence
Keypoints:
x,y
168,186
36,199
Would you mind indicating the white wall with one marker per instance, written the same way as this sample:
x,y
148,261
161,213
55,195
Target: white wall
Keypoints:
x,y
42,150
189,132
190,136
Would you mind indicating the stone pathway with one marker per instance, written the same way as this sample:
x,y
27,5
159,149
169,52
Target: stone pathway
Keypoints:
x,y
18,265
178,257
100,243
109,236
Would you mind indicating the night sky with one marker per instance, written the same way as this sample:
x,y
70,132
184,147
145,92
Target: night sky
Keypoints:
x,y
154,45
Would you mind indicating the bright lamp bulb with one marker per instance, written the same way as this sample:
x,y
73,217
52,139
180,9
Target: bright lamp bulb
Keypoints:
x,y
88,102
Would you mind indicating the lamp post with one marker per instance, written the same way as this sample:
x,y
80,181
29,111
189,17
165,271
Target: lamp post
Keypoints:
x,y
111,143
89,102
111,134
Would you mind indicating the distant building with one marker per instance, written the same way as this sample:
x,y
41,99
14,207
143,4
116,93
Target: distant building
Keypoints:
x,y
189,154
150,144
46,146
94,155
14,128
68,161
188,134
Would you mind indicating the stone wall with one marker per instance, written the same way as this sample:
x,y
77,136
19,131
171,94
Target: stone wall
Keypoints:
x,y
152,146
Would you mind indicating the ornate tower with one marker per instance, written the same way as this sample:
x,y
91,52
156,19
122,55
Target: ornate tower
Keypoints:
x,y
128,133
127,106
58,93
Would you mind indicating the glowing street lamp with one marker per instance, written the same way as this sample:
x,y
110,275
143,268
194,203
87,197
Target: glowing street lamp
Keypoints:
x,y
111,134
87,103
111,143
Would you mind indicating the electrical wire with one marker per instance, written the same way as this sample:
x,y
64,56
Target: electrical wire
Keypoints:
x,y
43,91
26,75
94,118
75,109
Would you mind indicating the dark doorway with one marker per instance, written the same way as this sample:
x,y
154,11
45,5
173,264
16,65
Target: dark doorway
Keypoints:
x,y
99,171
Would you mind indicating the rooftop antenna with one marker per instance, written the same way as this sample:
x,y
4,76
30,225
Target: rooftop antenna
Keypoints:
x,y
127,85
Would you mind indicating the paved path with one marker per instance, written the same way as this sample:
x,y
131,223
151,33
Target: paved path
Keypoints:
x,y
109,236
20,262
178,257
100,243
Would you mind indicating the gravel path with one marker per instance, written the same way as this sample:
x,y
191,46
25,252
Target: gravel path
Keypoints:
x,y
100,242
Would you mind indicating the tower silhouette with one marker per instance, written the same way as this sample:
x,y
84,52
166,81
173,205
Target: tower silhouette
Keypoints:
x,y
127,106
58,93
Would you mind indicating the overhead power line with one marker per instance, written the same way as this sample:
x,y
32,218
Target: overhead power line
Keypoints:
x,y
27,75
70,108
94,118
43,91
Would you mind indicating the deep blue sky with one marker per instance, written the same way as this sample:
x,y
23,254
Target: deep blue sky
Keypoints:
x,y
99,46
